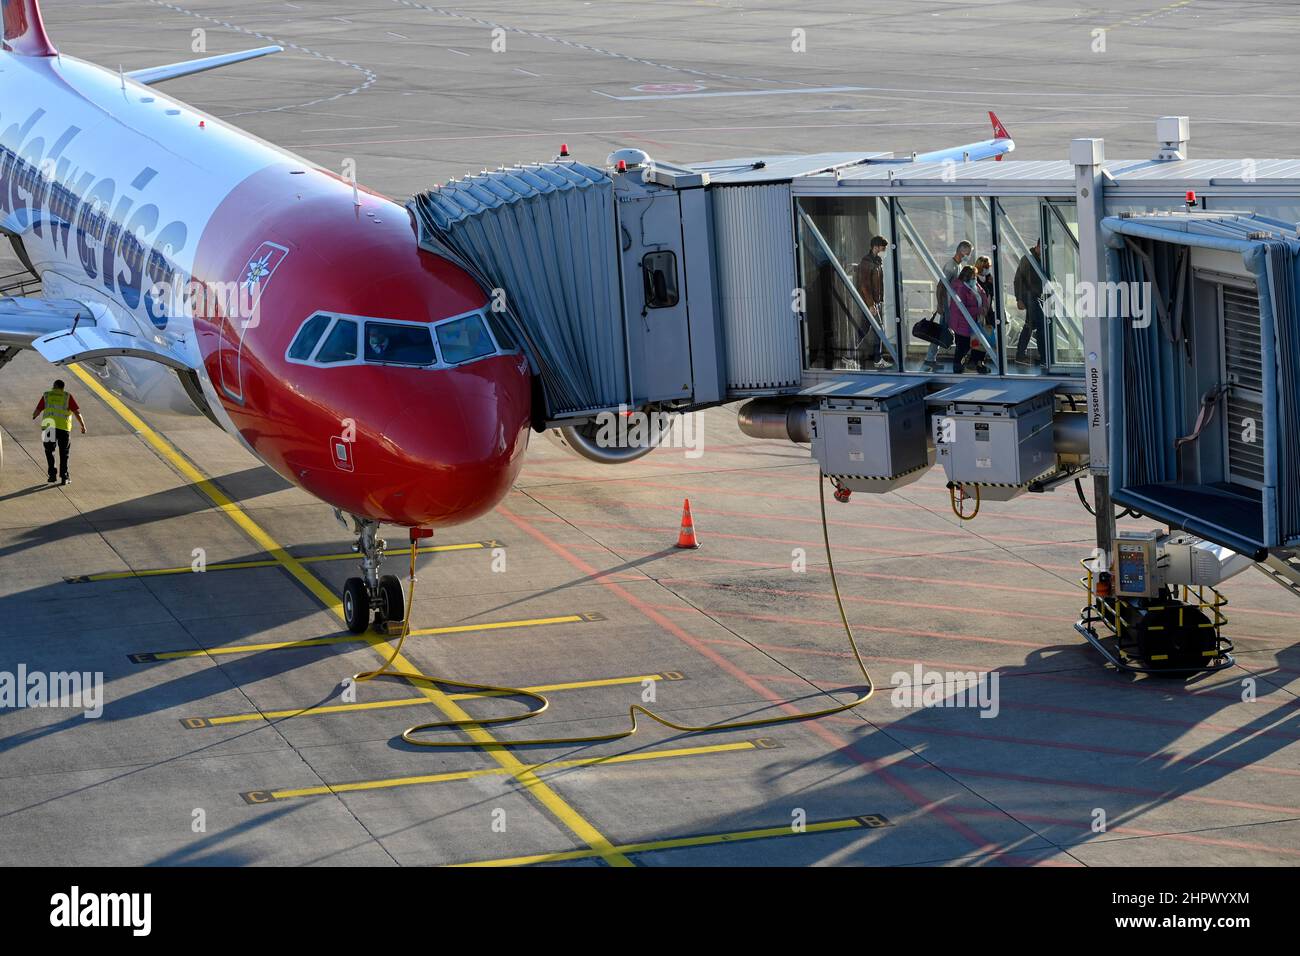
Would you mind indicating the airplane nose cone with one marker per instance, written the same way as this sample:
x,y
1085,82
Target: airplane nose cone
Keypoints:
x,y
458,443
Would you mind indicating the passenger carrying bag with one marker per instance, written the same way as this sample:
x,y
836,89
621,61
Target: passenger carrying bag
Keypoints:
x,y
930,330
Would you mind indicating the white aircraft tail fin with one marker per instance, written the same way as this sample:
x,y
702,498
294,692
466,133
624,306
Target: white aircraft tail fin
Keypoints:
x,y
24,30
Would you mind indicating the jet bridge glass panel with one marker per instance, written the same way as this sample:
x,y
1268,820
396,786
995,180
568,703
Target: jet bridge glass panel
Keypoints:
x,y
1038,260
931,231
835,258
1025,253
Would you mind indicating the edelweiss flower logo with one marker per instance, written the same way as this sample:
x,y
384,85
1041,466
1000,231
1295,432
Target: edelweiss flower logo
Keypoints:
x,y
258,270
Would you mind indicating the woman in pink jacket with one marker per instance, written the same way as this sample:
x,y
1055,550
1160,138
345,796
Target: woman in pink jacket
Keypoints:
x,y
970,295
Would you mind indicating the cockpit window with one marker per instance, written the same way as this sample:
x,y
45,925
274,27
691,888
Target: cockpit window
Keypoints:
x,y
399,344
505,339
464,339
341,344
307,337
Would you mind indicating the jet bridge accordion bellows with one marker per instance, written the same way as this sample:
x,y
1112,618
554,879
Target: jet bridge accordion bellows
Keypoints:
x,y
544,236
1225,331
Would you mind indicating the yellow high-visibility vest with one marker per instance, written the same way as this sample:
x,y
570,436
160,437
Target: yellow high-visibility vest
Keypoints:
x,y
57,410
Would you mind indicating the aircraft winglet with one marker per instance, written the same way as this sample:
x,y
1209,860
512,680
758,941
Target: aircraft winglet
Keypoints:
x,y
160,74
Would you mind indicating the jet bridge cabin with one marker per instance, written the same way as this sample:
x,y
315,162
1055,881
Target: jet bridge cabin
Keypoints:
x,y
1205,403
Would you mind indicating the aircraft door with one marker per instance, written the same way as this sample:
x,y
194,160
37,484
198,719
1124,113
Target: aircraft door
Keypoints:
x,y
238,306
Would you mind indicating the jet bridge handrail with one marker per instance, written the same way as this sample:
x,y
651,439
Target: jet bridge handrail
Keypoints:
x,y
937,273
844,276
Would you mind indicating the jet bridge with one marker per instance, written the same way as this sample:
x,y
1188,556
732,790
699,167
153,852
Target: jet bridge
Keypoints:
x,y
1139,323
639,284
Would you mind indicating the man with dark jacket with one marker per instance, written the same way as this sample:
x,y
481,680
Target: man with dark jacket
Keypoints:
x,y
1028,286
871,286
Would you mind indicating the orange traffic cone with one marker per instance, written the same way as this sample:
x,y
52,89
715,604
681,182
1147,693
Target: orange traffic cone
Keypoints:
x,y
686,537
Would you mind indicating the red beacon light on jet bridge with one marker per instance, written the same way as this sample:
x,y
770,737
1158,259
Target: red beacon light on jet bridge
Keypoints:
x,y
1191,199
564,150
622,165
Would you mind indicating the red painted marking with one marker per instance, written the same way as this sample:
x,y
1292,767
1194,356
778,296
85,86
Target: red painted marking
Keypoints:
x,y
879,629
1163,796
843,746
1124,829
857,599
860,549
865,525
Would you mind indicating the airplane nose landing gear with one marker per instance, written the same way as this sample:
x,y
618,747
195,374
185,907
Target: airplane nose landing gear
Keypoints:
x,y
372,593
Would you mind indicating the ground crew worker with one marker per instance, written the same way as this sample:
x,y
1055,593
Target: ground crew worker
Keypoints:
x,y
57,409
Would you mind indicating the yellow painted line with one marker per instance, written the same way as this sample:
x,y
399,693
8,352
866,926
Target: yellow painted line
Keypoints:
x,y
148,657
268,796
869,822
243,565
196,723
574,821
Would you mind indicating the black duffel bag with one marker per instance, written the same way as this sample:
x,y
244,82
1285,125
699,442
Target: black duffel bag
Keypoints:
x,y
932,331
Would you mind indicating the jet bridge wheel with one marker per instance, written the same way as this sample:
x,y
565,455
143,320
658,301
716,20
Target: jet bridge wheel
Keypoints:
x,y
356,605
392,602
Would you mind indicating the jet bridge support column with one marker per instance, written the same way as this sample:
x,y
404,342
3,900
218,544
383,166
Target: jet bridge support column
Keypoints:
x,y
1087,156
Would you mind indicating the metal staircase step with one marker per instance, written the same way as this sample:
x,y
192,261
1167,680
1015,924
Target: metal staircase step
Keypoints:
x,y
1283,567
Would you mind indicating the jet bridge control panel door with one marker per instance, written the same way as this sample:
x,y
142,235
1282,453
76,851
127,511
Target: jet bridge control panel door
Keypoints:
x,y
655,294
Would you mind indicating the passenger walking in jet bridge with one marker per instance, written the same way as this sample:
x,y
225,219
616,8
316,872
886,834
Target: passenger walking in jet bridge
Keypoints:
x,y
1028,286
978,359
968,296
57,409
871,286
951,269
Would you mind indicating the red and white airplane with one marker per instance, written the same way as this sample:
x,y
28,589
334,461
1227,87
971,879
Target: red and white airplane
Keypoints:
x,y
191,265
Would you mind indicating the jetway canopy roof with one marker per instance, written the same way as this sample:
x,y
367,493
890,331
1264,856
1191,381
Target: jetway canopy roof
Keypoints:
x,y
756,170
1050,177
1224,231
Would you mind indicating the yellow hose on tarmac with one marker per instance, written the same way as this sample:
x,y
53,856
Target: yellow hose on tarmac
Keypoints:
x,y
409,735
959,508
